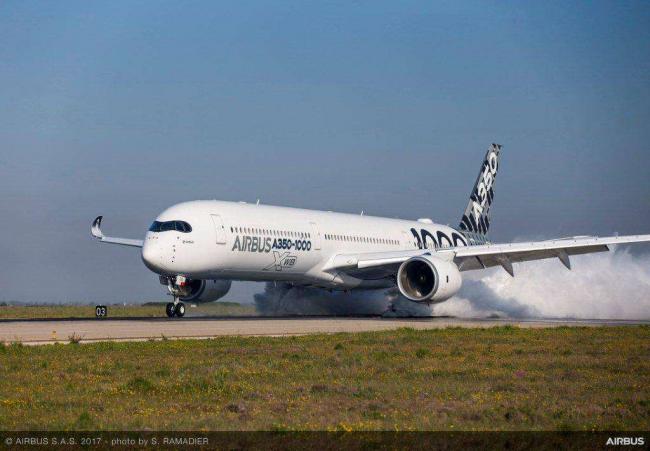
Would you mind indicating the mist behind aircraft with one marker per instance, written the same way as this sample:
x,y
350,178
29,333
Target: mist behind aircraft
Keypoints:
x,y
540,290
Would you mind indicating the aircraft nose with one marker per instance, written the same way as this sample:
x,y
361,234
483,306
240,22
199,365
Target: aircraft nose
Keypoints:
x,y
152,257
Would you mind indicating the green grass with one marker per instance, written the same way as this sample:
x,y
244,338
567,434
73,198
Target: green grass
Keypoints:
x,y
450,379
152,310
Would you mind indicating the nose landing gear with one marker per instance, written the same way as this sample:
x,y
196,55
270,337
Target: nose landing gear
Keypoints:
x,y
178,287
176,308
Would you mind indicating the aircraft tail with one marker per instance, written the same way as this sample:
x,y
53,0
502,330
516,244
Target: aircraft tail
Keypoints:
x,y
476,220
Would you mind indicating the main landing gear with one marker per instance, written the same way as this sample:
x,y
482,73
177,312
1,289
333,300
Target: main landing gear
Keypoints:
x,y
176,308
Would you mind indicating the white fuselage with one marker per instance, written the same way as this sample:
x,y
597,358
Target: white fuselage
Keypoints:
x,y
239,241
199,247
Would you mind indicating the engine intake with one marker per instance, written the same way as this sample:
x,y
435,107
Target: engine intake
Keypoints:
x,y
428,279
206,290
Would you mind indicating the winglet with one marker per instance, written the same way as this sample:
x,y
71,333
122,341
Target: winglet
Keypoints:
x,y
96,230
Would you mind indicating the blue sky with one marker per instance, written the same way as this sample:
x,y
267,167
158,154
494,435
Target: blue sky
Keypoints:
x,y
123,108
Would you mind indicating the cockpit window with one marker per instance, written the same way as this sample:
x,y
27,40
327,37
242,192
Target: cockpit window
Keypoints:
x,y
179,226
167,226
182,226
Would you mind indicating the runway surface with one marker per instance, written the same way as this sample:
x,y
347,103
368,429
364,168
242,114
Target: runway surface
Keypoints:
x,y
130,329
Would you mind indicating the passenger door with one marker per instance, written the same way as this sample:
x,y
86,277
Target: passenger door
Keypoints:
x,y
219,229
315,236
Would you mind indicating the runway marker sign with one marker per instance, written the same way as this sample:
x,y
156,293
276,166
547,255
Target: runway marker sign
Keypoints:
x,y
101,311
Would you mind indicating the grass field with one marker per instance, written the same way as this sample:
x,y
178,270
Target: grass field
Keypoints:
x,y
449,379
114,311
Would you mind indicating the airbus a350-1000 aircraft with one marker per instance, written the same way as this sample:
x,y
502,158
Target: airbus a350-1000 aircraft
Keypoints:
x,y
199,247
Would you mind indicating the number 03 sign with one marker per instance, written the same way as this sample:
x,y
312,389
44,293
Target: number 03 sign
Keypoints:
x,y
101,311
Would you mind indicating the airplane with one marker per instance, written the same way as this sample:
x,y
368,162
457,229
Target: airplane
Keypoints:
x,y
197,248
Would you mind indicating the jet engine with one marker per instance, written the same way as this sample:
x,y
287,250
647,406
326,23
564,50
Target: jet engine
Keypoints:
x,y
428,279
197,290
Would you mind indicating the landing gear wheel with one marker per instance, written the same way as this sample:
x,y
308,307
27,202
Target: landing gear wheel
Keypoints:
x,y
170,309
180,310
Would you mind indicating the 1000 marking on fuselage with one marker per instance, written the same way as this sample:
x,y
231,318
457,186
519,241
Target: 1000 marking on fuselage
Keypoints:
x,y
426,239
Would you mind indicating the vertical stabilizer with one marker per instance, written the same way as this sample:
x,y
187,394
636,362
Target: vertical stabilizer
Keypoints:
x,y
476,220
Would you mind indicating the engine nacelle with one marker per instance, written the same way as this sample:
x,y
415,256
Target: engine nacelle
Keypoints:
x,y
428,279
206,290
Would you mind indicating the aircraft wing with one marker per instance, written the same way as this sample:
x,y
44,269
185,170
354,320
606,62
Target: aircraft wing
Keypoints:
x,y
96,231
487,255
482,256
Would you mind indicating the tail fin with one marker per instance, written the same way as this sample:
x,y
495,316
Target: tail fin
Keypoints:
x,y
476,220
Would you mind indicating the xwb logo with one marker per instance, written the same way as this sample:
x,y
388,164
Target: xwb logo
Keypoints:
x,y
284,260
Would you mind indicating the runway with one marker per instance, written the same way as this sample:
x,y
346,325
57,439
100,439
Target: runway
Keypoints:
x,y
130,329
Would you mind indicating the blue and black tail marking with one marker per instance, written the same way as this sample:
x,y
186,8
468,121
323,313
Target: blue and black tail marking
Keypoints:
x,y
476,220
